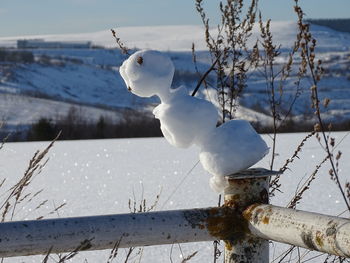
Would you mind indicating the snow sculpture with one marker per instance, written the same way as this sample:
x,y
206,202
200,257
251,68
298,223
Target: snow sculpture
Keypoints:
x,y
186,120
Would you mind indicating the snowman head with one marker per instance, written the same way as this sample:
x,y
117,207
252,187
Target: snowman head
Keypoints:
x,y
147,73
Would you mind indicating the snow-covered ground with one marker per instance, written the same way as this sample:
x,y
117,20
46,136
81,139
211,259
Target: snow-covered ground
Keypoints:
x,y
30,109
181,37
99,176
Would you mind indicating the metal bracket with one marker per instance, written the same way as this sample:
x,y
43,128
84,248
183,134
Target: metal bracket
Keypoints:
x,y
252,173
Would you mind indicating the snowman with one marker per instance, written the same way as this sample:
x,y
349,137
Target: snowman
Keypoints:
x,y
185,120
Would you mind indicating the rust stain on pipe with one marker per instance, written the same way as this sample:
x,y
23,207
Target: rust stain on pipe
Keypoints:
x,y
230,225
319,238
313,231
224,223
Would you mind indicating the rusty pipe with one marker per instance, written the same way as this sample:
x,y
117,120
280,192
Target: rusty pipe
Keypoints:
x,y
23,238
313,231
244,189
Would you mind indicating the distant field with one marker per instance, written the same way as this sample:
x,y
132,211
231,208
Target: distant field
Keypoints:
x,y
342,25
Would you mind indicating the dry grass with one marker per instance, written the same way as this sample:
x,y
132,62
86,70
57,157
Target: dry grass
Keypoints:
x,y
20,193
231,59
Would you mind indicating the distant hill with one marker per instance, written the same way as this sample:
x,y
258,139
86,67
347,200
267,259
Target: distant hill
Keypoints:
x,y
341,25
37,83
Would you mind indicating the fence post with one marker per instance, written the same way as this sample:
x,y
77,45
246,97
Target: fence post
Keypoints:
x,y
244,189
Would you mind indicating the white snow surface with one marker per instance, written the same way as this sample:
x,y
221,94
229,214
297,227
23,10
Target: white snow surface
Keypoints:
x,y
30,110
181,37
98,177
185,120
147,73
232,147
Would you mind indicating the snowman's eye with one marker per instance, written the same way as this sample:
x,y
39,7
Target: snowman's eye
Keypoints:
x,y
139,60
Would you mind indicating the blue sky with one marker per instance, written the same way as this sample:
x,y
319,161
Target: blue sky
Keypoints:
x,y
28,17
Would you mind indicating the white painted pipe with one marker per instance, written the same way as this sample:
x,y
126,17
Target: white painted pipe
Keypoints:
x,y
124,230
313,231
310,230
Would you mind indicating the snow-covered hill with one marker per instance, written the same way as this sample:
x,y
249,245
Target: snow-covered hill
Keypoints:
x,y
25,110
90,76
180,38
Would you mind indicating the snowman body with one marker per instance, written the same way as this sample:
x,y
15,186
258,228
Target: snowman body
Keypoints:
x,y
186,120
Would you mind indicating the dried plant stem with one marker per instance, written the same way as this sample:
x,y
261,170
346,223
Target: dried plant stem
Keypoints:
x,y
189,257
297,197
308,60
230,56
274,185
128,254
15,196
82,246
297,151
325,140
120,44
204,76
271,51
4,140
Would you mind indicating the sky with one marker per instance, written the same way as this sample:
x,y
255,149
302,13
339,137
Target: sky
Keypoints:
x,y
32,17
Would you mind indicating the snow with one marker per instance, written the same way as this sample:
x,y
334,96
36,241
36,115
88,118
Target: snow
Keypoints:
x,y
181,37
98,177
155,37
148,73
232,147
27,110
91,76
185,120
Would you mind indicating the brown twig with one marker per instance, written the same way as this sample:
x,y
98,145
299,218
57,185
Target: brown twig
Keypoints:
x,y
316,71
306,186
204,76
120,44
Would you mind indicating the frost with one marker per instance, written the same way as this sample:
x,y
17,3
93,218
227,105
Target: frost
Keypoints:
x,y
186,120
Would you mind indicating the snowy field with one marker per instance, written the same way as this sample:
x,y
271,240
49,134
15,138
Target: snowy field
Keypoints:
x,y
181,37
99,176
29,110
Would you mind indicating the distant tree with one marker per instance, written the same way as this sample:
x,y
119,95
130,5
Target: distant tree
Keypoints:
x,y
101,126
73,125
2,55
27,57
43,130
16,56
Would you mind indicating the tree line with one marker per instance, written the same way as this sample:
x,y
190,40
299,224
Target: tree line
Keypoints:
x,y
75,126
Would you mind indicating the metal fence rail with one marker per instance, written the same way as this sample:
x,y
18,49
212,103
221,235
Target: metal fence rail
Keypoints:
x,y
313,231
244,223
24,238
310,230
